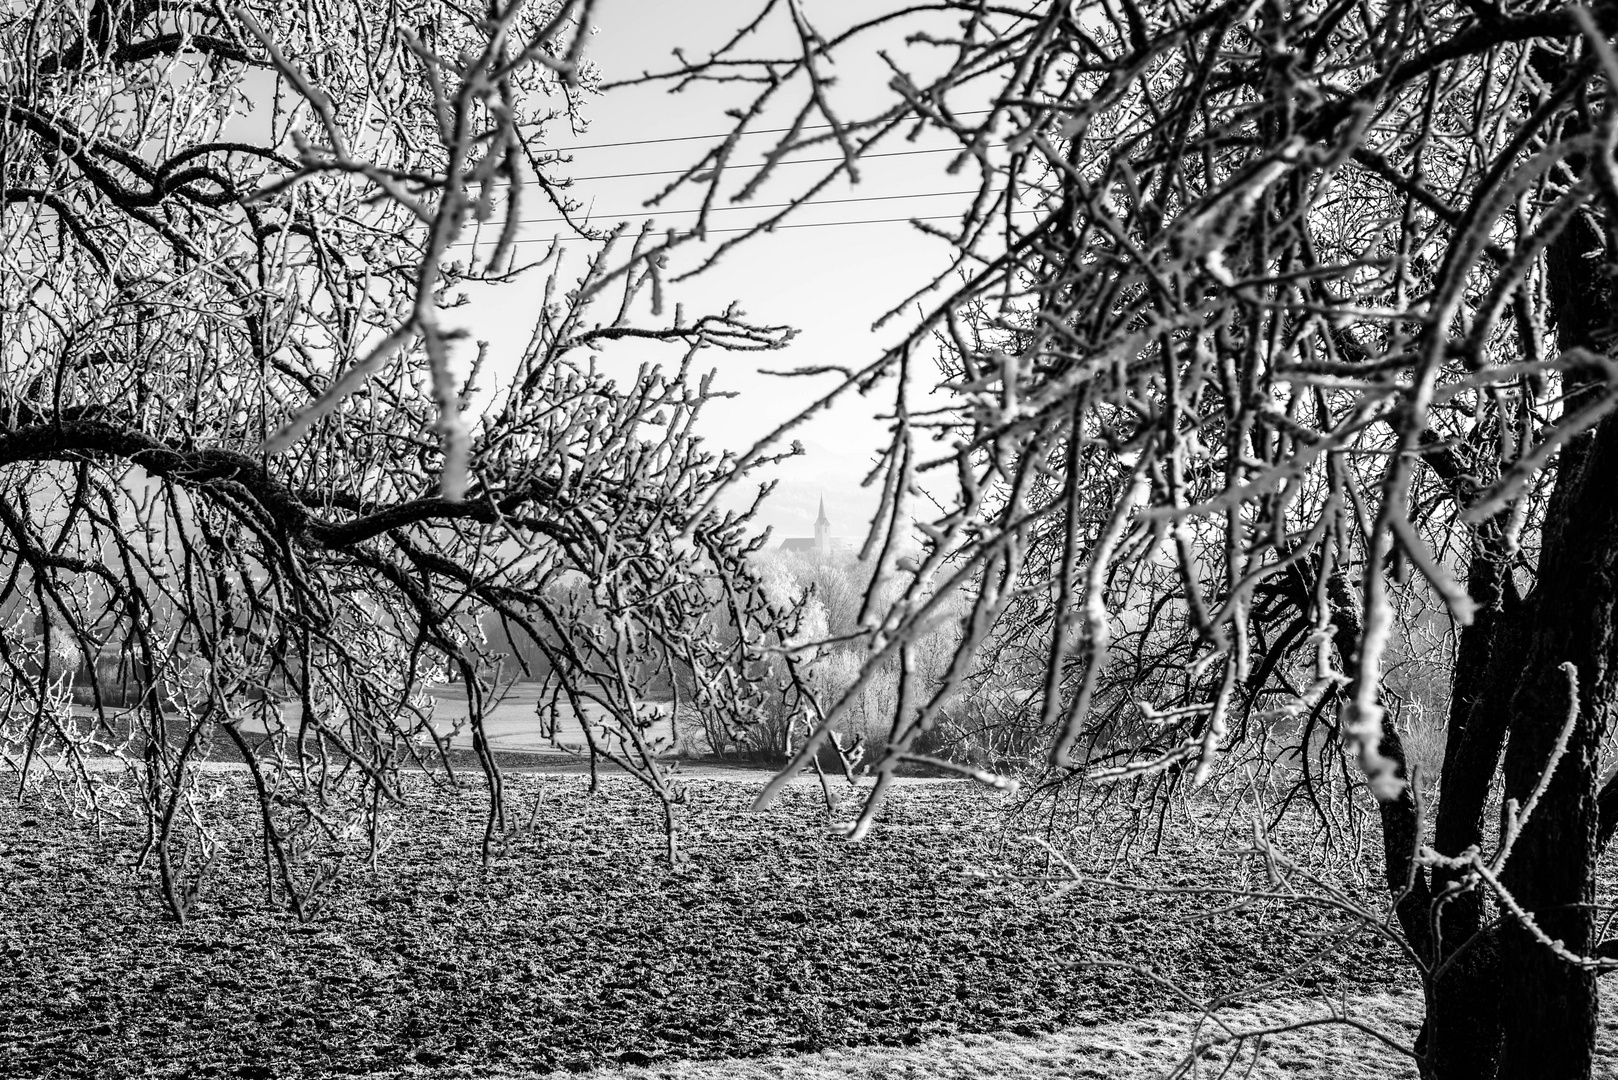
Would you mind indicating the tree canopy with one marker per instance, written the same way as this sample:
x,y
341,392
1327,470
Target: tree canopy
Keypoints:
x,y
249,495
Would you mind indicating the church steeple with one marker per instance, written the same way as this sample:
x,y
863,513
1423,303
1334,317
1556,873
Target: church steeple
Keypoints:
x,y
823,530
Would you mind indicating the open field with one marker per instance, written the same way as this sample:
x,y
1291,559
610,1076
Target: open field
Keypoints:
x,y
513,723
579,950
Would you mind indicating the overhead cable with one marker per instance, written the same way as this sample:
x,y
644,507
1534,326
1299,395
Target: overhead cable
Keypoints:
x,y
748,206
704,172
742,229
722,135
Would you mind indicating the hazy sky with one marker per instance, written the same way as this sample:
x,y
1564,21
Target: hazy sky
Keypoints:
x,y
830,282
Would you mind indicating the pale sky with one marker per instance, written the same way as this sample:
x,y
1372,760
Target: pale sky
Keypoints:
x,y
830,282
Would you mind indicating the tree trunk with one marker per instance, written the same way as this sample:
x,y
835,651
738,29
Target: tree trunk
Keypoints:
x,y
1549,1027
1461,1033
1507,1007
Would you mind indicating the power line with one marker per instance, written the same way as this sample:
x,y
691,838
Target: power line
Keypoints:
x,y
752,206
742,229
722,135
795,161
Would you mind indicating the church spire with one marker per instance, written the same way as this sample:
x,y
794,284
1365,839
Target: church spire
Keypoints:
x,y
823,530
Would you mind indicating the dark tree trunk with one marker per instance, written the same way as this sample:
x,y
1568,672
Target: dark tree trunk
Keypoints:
x,y
1545,1028
1509,685
1461,1035
1549,1029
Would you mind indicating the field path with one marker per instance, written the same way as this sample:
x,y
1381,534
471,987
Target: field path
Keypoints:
x,y
1147,1048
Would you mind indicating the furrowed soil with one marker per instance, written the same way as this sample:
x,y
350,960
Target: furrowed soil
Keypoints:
x,y
579,947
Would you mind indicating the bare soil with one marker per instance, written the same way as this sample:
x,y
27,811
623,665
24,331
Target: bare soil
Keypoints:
x,y
580,948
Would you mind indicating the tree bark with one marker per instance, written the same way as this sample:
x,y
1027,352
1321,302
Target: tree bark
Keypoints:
x,y
1549,1027
1461,1034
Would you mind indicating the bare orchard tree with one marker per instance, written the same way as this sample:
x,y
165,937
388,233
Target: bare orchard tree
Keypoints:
x,y
248,501
1269,319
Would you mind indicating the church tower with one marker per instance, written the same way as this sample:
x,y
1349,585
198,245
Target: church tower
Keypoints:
x,y
822,530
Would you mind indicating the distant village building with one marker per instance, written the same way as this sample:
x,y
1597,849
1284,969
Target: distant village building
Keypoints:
x,y
819,544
